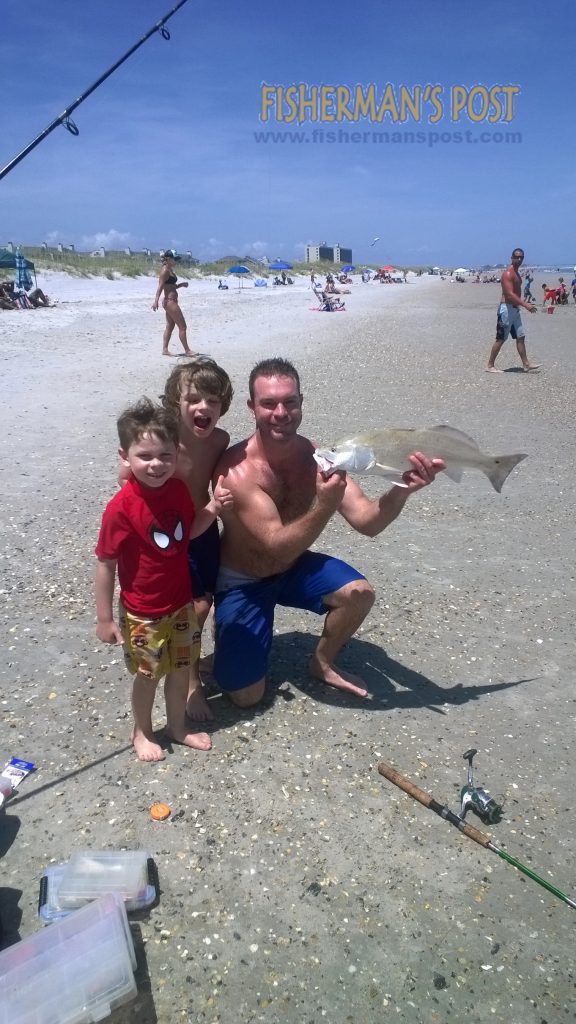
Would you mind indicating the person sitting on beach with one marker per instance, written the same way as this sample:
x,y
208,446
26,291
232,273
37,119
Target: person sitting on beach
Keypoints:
x,y
38,298
167,283
7,300
222,287
508,320
282,502
144,536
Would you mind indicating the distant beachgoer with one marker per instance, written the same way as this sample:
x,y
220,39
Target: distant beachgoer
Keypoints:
x,y
509,320
174,315
573,287
561,293
39,298
548,295
528,287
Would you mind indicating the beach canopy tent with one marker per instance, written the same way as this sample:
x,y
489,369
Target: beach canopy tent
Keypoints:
x,y
280,265
8,260
461,270
11,260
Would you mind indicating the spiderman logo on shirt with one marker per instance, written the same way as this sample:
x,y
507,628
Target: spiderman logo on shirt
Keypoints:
x,y
167,532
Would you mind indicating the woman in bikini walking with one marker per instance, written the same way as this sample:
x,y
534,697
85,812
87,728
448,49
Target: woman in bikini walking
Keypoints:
x,y
174,315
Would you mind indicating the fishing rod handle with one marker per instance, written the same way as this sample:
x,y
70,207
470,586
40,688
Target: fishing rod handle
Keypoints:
x,y
427,800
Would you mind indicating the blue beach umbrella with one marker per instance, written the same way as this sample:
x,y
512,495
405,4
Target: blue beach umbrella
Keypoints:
x,y
280,265
348,269
22,278
239,270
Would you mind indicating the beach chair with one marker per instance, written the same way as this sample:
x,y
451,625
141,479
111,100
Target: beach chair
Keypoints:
x,y
328,303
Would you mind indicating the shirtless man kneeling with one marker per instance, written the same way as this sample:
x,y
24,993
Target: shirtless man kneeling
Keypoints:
x,y
282,502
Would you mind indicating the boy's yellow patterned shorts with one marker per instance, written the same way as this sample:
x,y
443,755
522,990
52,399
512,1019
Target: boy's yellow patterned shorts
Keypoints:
x,y
155,647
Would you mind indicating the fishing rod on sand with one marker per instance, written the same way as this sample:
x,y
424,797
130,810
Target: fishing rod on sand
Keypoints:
x,y
468,830
64,118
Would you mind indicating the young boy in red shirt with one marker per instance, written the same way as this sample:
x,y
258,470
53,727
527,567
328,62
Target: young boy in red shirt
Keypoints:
x,y
144,536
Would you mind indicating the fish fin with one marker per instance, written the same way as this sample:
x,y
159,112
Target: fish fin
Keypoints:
x,y
390,473
454,473
502,466
458,435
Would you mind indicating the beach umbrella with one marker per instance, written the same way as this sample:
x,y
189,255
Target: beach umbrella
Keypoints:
x,y
388,269
22,278
348,268
239,271
280,265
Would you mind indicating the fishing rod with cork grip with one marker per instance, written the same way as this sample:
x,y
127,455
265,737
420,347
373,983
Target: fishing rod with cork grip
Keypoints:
x,y
477,836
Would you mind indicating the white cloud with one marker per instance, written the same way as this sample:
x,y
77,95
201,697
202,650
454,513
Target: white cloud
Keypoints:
x,y
111,239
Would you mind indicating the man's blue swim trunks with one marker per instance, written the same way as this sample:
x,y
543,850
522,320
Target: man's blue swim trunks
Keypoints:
x,y
204,560
244,612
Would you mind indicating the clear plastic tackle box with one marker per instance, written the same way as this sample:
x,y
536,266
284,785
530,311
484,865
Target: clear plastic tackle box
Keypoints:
x,y
93,873
77,971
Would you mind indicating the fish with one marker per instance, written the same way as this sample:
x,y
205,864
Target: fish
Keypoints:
x,y
385,453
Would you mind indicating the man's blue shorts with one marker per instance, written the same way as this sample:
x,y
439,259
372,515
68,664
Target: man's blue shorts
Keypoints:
x,y
245,614
204,561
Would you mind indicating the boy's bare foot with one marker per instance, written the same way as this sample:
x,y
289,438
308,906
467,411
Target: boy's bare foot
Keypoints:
x,y
336,677
197,740
146,749
197,707
493,369
206,664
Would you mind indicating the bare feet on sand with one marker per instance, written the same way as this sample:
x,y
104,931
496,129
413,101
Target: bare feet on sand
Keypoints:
x,y
493,369
146,747
197,707
206,664
165,352
532,366
197,740
336,677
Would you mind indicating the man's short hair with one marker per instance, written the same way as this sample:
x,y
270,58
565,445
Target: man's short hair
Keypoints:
x,y
206,376
276,367
519,251
146,418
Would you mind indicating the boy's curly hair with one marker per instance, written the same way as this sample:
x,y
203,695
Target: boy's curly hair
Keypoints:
x,y
147,418
205,375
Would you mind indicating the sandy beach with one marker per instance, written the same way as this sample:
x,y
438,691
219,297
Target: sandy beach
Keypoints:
x,y
296,884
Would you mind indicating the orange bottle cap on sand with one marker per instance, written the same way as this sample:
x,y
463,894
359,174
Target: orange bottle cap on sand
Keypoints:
x,y
159,812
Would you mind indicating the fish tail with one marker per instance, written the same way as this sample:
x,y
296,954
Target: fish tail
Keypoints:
x,y
500,468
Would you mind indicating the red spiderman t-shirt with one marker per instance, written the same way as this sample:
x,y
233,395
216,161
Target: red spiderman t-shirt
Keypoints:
x,y
147,532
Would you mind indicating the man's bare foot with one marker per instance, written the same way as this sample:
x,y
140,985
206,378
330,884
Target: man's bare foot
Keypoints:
x,y
197,740
197,707
337,678
493,369
146,749
532,366
165,352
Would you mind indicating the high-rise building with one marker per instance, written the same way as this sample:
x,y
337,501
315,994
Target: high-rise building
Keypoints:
x,y
323,253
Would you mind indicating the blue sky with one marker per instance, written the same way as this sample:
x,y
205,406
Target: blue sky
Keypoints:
x,y
167,153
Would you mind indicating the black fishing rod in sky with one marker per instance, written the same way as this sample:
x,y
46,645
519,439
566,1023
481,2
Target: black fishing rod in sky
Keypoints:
x,y
64,118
